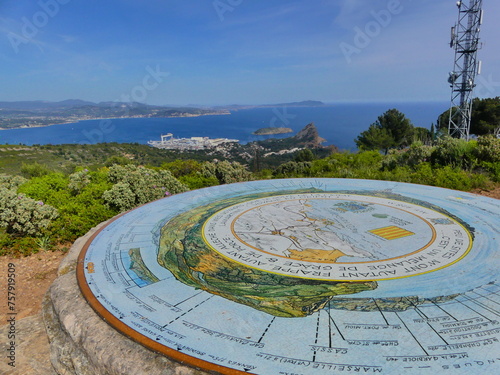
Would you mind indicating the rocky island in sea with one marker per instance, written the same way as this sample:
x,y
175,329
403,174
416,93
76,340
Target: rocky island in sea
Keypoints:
x,y
272,130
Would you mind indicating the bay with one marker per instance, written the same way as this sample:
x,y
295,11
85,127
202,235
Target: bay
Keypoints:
x,y
339,124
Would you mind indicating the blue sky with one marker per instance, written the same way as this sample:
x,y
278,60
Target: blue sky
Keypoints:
x,y
212,52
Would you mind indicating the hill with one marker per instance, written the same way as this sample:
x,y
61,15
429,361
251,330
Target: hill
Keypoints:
x,y
42,113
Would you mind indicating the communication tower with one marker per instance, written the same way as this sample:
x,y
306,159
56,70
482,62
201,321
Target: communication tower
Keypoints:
x,y
465,41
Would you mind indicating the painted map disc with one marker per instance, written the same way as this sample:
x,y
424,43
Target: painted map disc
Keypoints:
x,y
305,276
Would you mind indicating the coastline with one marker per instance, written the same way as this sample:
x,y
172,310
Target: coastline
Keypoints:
x,y
113,118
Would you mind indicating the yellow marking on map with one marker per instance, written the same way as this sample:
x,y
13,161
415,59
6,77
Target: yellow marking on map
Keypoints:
x,y
392,232
316,255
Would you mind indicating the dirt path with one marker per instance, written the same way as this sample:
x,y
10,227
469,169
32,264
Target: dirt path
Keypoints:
x,y
34,274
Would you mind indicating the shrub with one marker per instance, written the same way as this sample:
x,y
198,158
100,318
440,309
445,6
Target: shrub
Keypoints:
x,y
79,180
364,164
35,170
120,160
452,178
11,182
416,154
488,149
51,188
455,152
226,172
133,186
23,246
293,169
197,181
24,216
182,167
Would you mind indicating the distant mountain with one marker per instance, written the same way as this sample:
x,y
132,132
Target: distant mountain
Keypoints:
x,y
304,103
42,113
38,105
74,103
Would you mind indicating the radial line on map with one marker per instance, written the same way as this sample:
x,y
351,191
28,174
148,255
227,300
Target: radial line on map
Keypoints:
x,y
443,310
486,307
330,324
489,291
380,311
419,312
477,312
267,329
489,299
187,299
338,330
317,335
411,333
188,311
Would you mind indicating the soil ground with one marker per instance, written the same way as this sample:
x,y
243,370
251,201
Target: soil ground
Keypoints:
x,y
34,274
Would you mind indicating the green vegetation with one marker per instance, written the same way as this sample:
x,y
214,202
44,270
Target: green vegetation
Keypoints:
x,y
50,195
485,118
272,130
391,130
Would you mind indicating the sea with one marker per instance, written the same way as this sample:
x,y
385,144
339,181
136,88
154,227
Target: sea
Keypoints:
x,y
339,124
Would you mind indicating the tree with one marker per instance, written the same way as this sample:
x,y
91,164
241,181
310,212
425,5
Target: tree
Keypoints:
x,y
304,155
391,130
485,117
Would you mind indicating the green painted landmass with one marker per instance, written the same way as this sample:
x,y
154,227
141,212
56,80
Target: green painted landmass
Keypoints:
x,y
139,267
395,304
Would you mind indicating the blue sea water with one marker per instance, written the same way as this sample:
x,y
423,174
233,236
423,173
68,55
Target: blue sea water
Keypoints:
x,y
339,124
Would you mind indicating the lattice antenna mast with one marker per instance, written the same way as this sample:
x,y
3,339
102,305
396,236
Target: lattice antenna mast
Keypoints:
x,y
465,40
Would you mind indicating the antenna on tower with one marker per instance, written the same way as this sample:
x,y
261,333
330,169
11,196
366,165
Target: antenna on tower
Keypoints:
x,y
465,40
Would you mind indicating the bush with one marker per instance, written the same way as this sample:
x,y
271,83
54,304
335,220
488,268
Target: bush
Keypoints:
x,y
79,180
23,216
182,167
416,154
364,164
455,152
488,149
197,181
11,182
226,172
23,246
35,170
120,160
454,178
304,155
293,169
133,186
51,189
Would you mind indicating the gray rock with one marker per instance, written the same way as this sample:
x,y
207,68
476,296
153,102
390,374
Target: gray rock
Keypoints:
x,y
31,350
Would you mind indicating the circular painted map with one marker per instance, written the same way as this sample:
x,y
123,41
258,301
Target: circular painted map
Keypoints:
x,y
306,276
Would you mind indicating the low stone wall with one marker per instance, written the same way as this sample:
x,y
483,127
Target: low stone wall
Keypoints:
x,y
81,343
